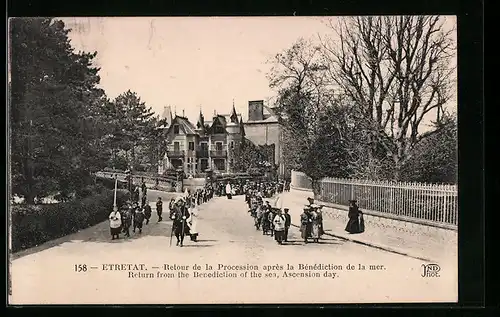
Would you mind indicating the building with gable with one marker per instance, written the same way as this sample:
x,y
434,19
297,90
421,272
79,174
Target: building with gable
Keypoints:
x,y
263,129
208,143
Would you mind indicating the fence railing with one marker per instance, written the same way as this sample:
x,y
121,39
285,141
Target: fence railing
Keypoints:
x,y
406,201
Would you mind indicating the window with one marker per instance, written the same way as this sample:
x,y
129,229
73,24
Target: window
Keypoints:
x,y
219,129
232,144
176,146
218,146
176,129
191,146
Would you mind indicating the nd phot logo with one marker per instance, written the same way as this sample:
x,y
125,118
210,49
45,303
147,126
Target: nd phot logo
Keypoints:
x,y
430,270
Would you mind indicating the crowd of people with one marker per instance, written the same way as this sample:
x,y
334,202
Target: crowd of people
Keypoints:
x,y
137,211
272,221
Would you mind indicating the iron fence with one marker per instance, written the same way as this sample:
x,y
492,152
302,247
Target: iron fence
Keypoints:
x,y
434,203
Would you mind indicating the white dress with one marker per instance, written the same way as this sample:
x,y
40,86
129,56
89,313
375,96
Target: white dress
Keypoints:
x,y
192,221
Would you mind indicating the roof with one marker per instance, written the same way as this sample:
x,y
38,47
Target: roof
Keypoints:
x,y
269,116
187,126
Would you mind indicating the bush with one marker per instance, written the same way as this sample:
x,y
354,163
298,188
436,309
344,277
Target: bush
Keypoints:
x,y
33,225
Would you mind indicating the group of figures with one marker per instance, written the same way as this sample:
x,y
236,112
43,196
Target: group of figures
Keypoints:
x,y
273,221
311,222
267,189
131,214
184,213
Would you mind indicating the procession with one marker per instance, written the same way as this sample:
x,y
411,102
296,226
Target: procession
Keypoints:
x,y
268,218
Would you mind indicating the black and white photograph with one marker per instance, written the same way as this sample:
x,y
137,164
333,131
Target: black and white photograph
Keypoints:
x,y
232,160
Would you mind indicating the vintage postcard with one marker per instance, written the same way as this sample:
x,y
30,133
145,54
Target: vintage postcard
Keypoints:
x,y
233,160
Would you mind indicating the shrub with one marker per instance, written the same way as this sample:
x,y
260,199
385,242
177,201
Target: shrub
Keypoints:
x,y
33,225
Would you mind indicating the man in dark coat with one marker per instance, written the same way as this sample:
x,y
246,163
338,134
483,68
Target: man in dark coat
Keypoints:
x,y
288,223
147,211
159,208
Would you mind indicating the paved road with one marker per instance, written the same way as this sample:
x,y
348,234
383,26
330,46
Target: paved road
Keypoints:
x,y
227,237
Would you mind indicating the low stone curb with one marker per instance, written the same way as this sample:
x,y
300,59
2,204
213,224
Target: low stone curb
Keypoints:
x,y
387,248
375,245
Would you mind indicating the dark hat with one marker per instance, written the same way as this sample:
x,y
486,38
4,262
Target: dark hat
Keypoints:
x,y
353,201
310,198
286,209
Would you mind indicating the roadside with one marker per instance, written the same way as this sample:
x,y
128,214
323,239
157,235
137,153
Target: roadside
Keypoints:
x,y
416,241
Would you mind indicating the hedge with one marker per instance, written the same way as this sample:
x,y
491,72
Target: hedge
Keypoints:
x,y
33,225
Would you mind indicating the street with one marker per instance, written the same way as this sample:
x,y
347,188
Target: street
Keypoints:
x,y
55,273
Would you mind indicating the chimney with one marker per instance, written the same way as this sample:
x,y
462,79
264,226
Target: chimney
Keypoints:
x,y
256,110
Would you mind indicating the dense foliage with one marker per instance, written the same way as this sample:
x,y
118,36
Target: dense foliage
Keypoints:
x,y
33,225
55,111
359,104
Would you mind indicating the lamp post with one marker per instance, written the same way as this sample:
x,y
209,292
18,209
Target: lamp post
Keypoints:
x,y
115,207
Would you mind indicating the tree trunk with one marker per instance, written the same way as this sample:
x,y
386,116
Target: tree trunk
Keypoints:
x,y
316,187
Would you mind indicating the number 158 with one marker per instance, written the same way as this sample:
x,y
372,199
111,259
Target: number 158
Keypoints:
x,y
80,268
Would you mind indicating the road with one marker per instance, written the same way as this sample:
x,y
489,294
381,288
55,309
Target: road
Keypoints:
x,y
48,274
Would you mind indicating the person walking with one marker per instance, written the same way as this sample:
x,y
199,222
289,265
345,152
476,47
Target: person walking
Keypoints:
x,y
229,192
355,217
147,212
288,223
159,208
279,227
115,223
315,224
305,224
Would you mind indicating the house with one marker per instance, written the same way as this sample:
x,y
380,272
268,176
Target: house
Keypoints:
x,y
209,144
263,129
206,145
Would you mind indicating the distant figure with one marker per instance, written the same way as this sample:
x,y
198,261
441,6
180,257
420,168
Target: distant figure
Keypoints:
x,y
316,224
138,219
288,223
279,227
147,211
159,208
115,224
192,222
136,194
229,192
356,223
305,224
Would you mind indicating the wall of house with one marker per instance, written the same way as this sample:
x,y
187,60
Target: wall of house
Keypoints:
x,y
270,133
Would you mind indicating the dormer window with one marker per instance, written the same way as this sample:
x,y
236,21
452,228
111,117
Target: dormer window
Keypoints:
x,y
176,129
219,129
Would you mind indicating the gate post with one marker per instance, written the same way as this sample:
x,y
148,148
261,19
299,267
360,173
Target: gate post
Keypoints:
x,y
180,181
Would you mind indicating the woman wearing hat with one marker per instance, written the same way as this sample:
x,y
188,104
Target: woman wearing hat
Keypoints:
x,y
315,223
355,215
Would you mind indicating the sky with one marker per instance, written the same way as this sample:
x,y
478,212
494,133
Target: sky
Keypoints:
x,y
190,63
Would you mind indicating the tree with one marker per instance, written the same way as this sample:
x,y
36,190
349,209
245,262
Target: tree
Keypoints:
x,y
398,71
312,117
245,156
55,111
434,159
133,124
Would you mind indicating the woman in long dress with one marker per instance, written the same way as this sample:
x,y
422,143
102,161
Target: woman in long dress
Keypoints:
x,y
305,224
315,225
192,222
353,225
